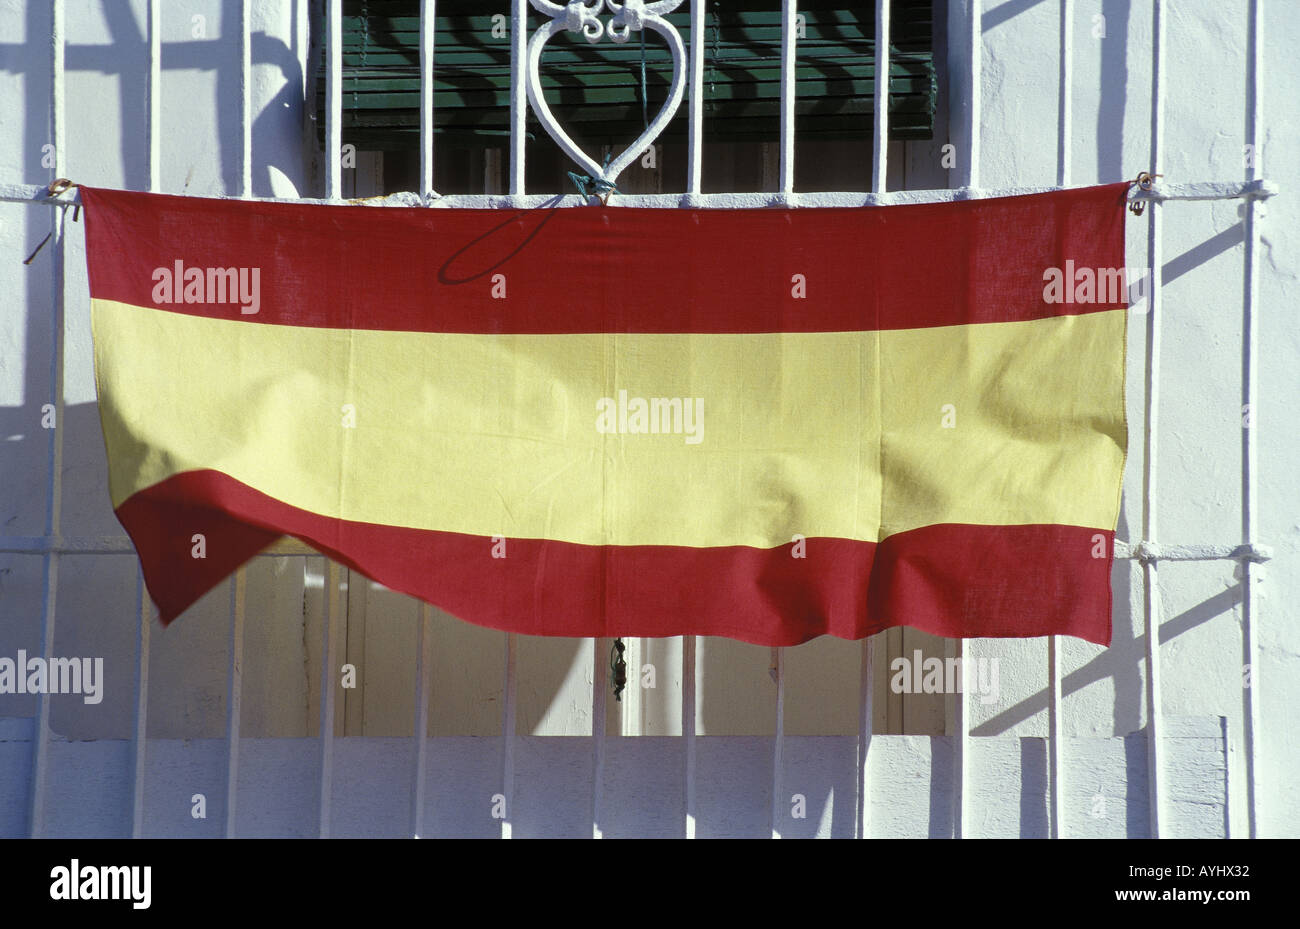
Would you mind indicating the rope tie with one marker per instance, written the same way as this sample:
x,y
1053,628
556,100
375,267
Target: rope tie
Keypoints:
x,y
57,186
645,119
619,667
595,187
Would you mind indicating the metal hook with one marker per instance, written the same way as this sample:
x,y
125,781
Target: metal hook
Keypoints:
x,y
1145,181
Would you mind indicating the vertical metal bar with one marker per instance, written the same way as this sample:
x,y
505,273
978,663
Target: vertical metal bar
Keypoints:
x,y
239,585
54,444
880,137
1150,579
787,94
879,176
688,728
778,754
1056,732
695,117
599,685
234,696
1249,386
508,739
139,736
1055,740
334,99
518,93
975,72
631,708
423,672
140,731
428,11
959,649
245,100
154,106
866,716
1064,104
331,622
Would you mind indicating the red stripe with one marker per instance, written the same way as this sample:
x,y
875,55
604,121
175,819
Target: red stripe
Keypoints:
x,y
951,579
601,269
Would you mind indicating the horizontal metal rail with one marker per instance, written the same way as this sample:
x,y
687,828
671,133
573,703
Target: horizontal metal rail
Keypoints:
x,y
121,545
117,545
1205,190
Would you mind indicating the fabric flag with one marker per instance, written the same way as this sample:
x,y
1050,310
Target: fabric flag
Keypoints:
x,y
765,424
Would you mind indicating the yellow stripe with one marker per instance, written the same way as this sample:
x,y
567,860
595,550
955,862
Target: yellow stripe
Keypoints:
x,y
496,434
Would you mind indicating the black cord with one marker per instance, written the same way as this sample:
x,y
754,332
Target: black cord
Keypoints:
x,y
619,667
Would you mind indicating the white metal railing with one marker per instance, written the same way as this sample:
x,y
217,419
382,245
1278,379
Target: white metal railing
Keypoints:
x,y
1148,552
1150,585
1249,387
54,483
1055,699
1258,188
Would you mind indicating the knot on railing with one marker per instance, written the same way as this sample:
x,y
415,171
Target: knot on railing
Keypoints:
x,y
57,186
1146,552
597,186
1254,552
1144,181
618,667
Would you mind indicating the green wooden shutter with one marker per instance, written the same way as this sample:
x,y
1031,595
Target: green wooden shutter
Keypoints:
x,y
596,91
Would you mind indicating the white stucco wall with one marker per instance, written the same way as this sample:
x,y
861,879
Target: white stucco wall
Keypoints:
x,y
1199,435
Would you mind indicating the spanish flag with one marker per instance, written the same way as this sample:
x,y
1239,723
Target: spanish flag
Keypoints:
x,y
766,424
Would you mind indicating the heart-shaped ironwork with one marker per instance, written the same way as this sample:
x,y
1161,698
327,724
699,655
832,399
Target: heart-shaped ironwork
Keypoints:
x,y
629,16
